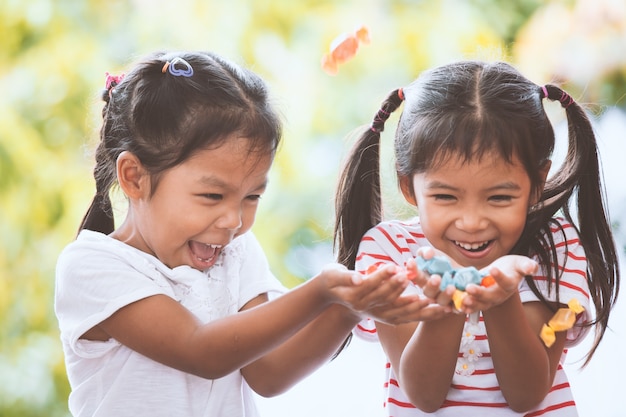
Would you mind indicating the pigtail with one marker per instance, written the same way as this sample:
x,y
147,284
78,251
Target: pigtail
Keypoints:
x,y
580,174
99,216
358,205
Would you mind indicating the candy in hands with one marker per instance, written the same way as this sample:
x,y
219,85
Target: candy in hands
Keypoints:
x,y
459,277
343,48
563,319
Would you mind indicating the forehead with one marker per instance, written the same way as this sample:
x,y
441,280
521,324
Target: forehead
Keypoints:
x,y
479,168
233,159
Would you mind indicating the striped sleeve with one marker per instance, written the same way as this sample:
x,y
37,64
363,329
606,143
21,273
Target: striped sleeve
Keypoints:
x,y
391,242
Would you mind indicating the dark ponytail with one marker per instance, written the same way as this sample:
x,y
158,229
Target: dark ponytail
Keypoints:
x,y
99,216
580,174
358,205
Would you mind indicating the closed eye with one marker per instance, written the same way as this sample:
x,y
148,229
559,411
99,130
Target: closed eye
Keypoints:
x,y
444,197
211,196
501,198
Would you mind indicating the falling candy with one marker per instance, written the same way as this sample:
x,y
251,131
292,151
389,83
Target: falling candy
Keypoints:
x,y
343,48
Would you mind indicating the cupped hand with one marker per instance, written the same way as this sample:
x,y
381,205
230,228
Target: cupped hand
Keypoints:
x,y
430,284
409,308
507,272
364,292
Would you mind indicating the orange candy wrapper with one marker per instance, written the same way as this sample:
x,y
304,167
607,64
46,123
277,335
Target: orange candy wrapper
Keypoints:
x,y
343,48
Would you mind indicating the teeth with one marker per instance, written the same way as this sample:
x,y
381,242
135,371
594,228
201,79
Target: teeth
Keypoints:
x,y
213,246
471,246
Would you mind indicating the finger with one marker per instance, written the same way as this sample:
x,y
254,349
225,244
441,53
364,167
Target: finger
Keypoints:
x,y
376,291
432,286
386,293
426,252
428,312
382,273
444,298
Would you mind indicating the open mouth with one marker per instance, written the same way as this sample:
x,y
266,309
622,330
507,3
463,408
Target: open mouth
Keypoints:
x,y
205,253
473,247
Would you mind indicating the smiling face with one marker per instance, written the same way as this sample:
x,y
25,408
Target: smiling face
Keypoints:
x,y
198,206
474,211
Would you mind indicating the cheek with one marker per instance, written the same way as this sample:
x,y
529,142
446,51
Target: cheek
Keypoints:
x,y
247,219
514,223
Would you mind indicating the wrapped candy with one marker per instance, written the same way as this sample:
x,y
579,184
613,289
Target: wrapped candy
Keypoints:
x,y
563,319
459,277
343,48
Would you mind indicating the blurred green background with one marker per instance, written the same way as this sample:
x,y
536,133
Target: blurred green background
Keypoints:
x,y
54,54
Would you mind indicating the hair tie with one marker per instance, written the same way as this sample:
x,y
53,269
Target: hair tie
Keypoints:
x,y
545,91
171,67
378,125
566,100
401,94
112,81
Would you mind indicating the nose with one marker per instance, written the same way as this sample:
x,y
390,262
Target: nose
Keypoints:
x,y
471,221
230,219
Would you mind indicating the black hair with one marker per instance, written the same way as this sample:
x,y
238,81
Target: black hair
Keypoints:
x,y
470,109
163,119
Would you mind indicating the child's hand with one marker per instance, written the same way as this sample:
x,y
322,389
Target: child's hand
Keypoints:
x,y
430,284
360,292
507,273
409,308
377,295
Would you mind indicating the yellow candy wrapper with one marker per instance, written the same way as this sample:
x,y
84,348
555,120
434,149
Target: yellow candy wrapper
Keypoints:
x,y
562,320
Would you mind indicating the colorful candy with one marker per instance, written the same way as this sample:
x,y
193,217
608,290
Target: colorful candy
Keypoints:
x,y
459,277
563,319
343,48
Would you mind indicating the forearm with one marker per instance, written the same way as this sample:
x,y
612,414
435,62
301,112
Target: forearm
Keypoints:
x,y
520,360
429,360
302,354
238,340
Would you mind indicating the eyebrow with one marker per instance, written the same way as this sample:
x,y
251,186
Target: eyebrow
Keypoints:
x,y
216,182
508,185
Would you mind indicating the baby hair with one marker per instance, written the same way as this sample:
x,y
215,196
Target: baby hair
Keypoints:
x,y
171,105
471,109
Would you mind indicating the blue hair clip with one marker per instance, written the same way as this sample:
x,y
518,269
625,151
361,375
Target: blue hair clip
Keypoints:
x,y
170,66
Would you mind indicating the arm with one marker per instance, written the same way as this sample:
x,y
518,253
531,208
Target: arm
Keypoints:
x,y
423,355
161,329
428,361
319,340
513,330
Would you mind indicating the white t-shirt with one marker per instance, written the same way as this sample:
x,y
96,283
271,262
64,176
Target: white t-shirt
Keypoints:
x,y
475,390
97,275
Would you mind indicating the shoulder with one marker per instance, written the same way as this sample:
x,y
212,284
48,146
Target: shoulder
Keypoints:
x,y
395,230
563,232
93,251
392,241
566,242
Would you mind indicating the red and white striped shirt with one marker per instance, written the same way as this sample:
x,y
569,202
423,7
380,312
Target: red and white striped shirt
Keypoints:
x,y
476,392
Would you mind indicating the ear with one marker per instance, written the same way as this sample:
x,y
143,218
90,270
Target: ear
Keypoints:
x,y
406,186
543,176
132,176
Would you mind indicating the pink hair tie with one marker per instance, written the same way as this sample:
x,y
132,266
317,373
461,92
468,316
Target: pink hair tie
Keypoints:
x,y
565,99
545,91
113,80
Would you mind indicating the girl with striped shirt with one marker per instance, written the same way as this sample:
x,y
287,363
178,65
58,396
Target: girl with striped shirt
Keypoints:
x,y
472,149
